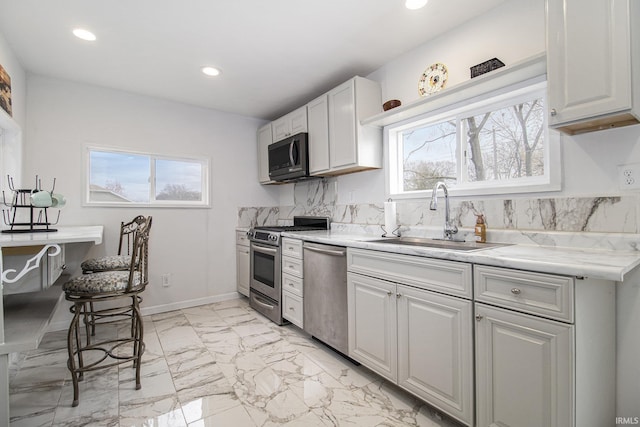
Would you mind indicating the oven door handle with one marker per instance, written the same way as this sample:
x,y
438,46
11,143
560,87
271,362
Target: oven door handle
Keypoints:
x,y
265,250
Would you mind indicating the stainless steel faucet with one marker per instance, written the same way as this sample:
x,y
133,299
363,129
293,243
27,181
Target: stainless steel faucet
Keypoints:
x,y
449,228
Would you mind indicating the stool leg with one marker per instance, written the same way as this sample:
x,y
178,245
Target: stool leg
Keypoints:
x,y
72,336
87,316
138,343
93,320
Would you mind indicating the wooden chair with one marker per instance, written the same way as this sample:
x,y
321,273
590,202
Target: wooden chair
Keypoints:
x,y
87,289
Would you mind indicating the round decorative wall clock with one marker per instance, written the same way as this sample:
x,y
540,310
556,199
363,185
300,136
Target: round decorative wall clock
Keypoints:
x,y
433,79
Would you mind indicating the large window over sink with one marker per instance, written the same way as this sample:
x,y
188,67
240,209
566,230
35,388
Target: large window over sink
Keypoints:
x,y
123,178
496,145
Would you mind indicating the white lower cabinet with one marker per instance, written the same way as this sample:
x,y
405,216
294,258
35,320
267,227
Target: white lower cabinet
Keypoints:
x,y
435,350
544,343
524,369
419,339
545,349
372,321
243,273
292,281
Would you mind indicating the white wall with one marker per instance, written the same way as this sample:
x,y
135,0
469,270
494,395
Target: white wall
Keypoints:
x,y
195,246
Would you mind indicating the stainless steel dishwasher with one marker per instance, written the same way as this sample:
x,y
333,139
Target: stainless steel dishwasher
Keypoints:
x,y
325,294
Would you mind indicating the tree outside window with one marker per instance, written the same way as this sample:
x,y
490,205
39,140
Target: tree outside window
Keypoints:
x,y
501,144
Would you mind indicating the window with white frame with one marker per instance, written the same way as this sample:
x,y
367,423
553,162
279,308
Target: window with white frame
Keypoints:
x,y
123,178
494,146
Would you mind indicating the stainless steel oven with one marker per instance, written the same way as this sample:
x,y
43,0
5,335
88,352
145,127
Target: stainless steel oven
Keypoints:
x,y
265,285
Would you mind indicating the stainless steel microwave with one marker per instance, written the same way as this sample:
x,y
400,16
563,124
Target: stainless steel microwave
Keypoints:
x,y
289,158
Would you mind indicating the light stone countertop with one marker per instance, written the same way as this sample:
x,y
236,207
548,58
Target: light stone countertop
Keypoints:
x,y
89,233
593,263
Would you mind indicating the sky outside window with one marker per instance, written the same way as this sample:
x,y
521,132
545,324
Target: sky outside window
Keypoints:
x,y
123,173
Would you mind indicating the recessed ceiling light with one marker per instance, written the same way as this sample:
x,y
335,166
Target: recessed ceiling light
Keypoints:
x,y
211,71
415,4
84,34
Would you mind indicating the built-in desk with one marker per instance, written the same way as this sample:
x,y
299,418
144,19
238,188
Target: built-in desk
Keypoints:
x,y
24,317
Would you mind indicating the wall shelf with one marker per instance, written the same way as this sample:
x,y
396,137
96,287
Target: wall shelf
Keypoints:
x,y
489,83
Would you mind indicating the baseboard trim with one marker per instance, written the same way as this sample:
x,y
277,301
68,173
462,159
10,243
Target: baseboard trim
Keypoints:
x,y
163,308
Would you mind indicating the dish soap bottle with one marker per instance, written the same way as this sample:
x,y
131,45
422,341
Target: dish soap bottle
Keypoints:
x,y
481,229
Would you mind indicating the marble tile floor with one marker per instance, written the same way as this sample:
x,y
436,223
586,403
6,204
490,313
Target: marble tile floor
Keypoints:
x,y
215,365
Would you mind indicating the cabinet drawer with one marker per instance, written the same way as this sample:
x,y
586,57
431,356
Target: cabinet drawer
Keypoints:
x,y
536,293
292,247
241,238
292,266
292,308
292,284
450,277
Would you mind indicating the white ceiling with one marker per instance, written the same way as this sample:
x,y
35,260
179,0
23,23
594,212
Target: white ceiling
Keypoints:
x,y
275,55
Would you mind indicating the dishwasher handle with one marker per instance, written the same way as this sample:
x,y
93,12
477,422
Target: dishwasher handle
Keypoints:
x,y
326,251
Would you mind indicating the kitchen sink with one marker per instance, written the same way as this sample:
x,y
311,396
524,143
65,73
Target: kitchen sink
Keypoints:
x,y
439,243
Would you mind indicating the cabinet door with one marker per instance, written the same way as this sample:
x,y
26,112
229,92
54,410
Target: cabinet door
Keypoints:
x,y
342,125
524,370
588,54
292,123
298,120
372,324
281,128
243,272
435,350
264,139
318,116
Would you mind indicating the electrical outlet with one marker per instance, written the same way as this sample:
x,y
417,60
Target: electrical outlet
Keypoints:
x,y
629,176
166,280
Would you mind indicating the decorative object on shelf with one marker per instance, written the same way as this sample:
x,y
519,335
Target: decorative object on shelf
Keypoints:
x,y
5,91
393,103
433,79
33,202
485,67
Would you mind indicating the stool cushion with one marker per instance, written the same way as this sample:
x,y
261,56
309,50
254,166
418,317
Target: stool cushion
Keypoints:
x,y
107,263
100,283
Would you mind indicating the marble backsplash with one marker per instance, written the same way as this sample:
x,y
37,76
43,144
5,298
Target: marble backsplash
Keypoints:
x,y
617,214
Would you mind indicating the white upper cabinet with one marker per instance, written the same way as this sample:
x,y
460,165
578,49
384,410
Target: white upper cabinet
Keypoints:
x,y
338,143
318,114
264,139
353,147
593,59
291,124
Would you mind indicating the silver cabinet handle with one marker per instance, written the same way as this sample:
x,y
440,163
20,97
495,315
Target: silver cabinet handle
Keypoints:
x,y
553,112
389,293
398,295
478,317
515,291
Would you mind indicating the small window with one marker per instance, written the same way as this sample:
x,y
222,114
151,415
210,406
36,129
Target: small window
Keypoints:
x,y
123,178
495,146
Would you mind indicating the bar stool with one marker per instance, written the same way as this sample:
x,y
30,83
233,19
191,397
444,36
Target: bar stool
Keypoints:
x,y
119,262
105,286
122,259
